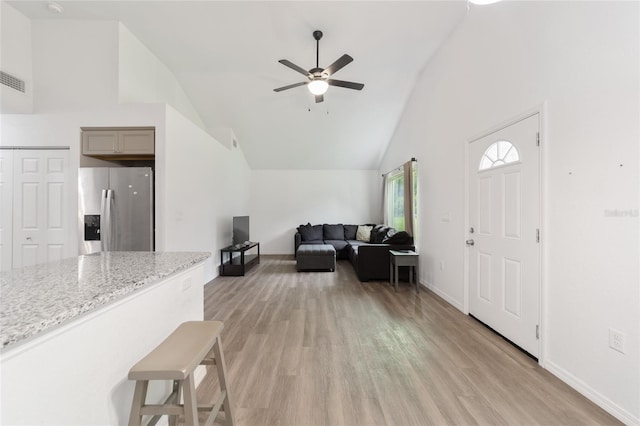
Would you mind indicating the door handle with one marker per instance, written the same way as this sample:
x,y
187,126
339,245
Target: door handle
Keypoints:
x,y
470,243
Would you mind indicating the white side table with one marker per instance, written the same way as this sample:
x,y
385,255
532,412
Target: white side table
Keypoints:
x,y
404,258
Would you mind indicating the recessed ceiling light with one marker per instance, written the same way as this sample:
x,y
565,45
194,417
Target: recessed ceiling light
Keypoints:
x,y
55,7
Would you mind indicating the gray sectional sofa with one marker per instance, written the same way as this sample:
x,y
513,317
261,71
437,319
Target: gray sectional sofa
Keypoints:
x,y
369,257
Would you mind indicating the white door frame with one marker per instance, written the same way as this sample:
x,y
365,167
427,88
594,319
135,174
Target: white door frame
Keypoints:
x,y
541,111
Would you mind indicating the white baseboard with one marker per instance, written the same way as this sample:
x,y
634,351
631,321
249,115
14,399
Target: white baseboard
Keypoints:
x,y
594,396
450,300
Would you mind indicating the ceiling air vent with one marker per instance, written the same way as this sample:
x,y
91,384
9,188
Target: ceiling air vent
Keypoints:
x,y
11,81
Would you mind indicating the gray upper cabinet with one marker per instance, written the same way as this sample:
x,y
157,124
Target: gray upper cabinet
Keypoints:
x,y
118,142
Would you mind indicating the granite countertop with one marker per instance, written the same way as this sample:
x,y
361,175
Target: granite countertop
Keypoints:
x,y
37,298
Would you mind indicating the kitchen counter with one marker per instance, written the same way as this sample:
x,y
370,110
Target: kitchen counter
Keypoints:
x,y
71,330
38,298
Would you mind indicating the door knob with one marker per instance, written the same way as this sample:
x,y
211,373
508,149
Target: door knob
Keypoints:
x,y
470,242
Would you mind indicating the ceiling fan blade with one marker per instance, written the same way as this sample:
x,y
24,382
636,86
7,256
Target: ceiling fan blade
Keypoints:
x,y
346,84
291,86
338,64
319,98
294,67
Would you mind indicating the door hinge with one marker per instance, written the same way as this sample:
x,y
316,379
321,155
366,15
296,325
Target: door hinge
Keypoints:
x,y
537,331
537,235
537,138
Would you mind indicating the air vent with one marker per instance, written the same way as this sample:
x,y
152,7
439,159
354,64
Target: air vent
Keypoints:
x,y
11,81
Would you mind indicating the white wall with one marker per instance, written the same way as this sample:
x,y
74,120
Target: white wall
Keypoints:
x,y
205,184
143,78
582,59
75,64
15,59
281,200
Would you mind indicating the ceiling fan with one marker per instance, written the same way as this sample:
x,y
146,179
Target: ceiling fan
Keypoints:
x,y
319,79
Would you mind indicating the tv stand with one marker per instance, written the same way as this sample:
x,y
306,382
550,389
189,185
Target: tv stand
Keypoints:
x,y
237,266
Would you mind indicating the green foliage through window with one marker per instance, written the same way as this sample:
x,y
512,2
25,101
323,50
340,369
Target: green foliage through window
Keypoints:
x,y
395,199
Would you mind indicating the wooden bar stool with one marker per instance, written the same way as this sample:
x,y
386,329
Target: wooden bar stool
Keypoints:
x,y
193,343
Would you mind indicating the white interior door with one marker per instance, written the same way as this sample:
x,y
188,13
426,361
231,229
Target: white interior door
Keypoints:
x,y
504,221
6,204
40,212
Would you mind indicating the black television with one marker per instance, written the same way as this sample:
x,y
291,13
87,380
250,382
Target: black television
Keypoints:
x,y
240,229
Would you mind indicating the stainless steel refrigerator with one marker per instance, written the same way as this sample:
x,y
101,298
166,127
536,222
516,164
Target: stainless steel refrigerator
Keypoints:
x,y
115,209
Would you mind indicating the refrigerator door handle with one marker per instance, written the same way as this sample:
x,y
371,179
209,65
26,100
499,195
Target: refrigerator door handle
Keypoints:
x,y
104,221
110,221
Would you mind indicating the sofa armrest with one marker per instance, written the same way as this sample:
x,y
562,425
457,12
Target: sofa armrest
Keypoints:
x,y
373,260
297,239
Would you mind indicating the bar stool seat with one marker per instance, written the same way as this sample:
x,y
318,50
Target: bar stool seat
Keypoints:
x,y
193,343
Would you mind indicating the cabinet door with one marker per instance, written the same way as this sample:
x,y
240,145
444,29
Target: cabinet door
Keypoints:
x,y
99,142
40,206
135,142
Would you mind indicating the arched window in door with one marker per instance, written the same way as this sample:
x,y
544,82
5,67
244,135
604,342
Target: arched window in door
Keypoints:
x,y
499,154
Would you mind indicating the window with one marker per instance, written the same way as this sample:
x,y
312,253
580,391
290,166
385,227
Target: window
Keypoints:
x,y
396,205
499,154
395,200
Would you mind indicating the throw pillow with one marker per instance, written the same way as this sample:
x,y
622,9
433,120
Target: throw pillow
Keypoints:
x,y
379,233
401,237
302,226
364,233
333,232
390,233
350,232
310,233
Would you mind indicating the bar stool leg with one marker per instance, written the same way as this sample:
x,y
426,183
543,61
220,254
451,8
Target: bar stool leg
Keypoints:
x,y
177,388
222,378
139,397
190,402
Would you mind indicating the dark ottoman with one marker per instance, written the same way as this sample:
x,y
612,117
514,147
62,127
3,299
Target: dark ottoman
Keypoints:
x,y
315,257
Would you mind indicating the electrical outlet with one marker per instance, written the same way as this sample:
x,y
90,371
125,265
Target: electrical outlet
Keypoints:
x,y
616,340
442,265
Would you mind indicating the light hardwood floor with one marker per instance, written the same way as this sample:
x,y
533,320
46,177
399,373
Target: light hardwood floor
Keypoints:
x,y
322,348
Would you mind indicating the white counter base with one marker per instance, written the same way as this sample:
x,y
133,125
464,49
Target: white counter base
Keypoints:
x,y
77,373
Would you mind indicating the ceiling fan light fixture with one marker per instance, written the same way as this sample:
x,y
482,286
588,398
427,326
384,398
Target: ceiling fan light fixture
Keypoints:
x,y
318,87
483,2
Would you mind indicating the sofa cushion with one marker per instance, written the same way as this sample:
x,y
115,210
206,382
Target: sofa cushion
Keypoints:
x,y
333,232
337,244
401,237
312,242
310,232
364,233
350,232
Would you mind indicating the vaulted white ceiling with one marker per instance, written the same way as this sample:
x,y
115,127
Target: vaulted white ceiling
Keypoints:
x,y
225,55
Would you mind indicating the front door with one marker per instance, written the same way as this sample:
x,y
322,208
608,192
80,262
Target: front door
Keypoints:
x,y
503,234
